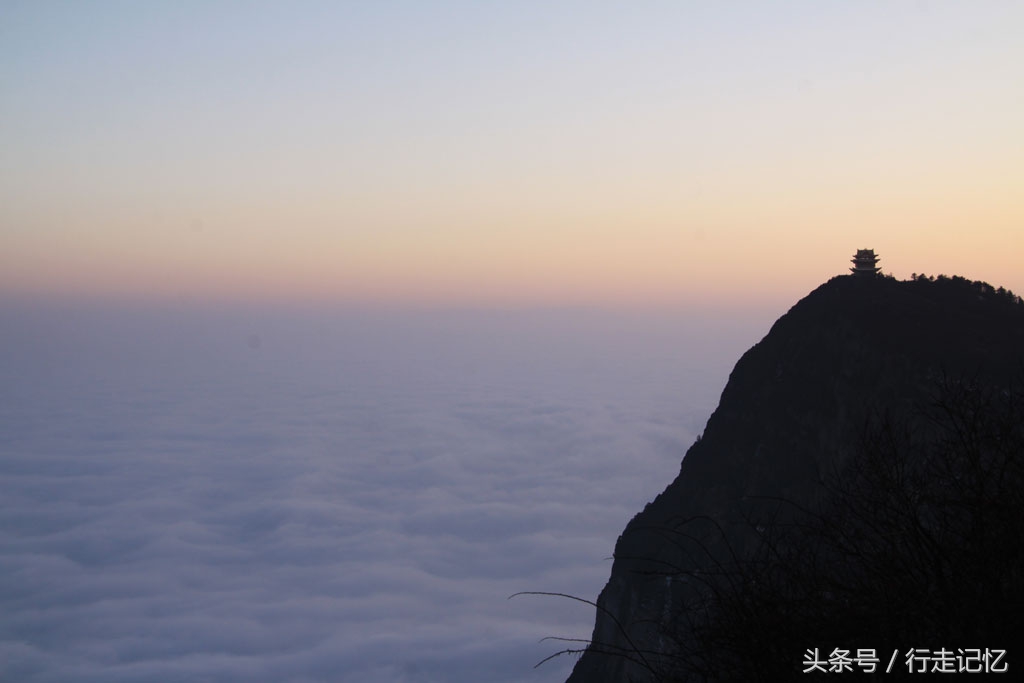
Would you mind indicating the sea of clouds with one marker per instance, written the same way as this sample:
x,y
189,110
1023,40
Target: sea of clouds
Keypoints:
x,y
247,495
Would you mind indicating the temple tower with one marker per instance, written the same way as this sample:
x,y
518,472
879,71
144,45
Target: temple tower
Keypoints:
x,y
865,263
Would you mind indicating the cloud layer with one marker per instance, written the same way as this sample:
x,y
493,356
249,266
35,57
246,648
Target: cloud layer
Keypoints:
x,y
248,496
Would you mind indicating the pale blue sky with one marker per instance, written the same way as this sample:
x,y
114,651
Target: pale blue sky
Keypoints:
x,y
522,150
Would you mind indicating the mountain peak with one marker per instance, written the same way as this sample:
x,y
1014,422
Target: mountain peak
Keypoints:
x,y
792,417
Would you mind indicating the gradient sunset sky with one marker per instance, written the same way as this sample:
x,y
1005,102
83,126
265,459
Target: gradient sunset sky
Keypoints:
x,y
505,154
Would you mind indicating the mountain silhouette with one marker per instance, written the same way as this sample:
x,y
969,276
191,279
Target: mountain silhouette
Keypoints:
x,y
857,488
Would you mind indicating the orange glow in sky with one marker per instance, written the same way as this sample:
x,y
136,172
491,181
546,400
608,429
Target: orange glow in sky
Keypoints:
x,y
526,155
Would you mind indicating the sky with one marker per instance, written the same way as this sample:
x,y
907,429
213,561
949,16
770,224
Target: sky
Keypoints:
x,y
489,155
326,326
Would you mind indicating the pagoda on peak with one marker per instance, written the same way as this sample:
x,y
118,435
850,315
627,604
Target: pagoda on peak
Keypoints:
x,y
865,263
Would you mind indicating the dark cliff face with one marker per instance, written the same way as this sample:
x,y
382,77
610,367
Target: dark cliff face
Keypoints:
x,y
791,416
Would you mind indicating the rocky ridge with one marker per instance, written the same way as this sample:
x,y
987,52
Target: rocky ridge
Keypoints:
x,y
791,416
